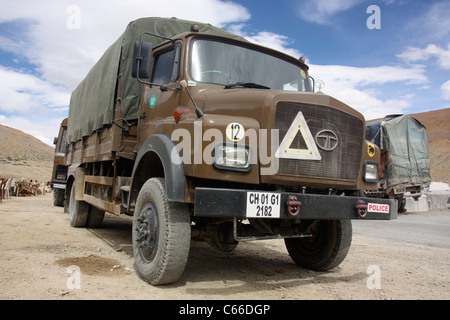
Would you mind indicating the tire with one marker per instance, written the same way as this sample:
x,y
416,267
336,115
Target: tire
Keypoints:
x,y
161,235
401,205
58,198
95,217
78,210
326,249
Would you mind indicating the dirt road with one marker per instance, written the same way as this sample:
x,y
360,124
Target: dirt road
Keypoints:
x,y
42,257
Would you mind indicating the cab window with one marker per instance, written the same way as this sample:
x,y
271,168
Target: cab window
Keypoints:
x,y
166,67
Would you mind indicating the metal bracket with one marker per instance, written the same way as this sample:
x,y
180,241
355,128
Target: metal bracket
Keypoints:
x,y
361,209
293,206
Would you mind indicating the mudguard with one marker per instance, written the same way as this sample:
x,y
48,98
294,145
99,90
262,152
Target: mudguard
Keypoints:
x,y
159,148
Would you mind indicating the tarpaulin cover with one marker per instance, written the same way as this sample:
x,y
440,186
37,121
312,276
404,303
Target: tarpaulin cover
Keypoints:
x,y
406,141
92,102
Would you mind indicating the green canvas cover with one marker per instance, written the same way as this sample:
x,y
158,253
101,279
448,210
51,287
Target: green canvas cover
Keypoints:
x,y
92,102
406,140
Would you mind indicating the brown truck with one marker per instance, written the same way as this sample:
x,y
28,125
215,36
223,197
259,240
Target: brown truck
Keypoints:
x,y
201,135
59,172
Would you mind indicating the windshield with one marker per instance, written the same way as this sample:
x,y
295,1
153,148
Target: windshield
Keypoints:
x,y
230,65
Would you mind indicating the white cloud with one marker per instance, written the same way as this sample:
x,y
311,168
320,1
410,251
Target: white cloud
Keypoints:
x,y
267,39
369,105
322,11
353,76
64,55
446,90
358,87
26,93
413,54
39,34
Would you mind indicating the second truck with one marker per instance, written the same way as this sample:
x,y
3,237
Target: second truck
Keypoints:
x,y
201,135
404,162
59,172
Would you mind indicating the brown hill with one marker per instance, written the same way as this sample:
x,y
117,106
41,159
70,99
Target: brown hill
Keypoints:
x,y
24,156
438,133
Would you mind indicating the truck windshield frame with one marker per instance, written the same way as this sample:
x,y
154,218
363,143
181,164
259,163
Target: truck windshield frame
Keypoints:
x,y
225,63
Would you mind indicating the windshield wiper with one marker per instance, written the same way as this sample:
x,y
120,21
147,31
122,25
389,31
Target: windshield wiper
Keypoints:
x,y
246,85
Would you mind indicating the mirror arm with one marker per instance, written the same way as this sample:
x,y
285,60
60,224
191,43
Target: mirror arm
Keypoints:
x,y
156,35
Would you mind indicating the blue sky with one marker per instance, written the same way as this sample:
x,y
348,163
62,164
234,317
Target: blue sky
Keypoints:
x,y
48,46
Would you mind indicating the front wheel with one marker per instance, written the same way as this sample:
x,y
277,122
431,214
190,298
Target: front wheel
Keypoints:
x,y
161,234
326,249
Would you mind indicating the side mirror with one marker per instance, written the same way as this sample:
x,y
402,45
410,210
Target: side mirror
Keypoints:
x,y
55,140
142,57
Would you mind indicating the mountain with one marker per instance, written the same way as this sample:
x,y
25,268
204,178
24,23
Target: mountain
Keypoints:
x,y
24,156
438,133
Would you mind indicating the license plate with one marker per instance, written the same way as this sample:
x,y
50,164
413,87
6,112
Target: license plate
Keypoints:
x,y
378,208
59,186
263,205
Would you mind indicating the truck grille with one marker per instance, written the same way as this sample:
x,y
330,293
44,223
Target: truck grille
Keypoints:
x,y
341,163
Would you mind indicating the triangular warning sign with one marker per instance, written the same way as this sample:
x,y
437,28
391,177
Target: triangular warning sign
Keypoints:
x,y
306,149
298,142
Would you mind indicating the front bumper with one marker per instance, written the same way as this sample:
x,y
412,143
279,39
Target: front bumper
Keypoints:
x,y
236,203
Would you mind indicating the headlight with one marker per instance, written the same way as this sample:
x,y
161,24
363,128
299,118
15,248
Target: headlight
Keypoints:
x,y
371,171
232,157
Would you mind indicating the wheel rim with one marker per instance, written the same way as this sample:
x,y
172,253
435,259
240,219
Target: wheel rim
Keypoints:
x,y
147,232
313,244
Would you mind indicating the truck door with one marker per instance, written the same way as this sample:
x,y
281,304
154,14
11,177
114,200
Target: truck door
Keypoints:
x,y
160,99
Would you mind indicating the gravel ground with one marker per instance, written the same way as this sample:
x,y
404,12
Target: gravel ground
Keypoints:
x,y
42,257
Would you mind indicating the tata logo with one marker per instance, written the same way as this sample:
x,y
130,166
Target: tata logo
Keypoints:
x,y
326,140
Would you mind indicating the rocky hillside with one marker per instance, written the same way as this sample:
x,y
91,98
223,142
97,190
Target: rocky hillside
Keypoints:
x,y
24,156
438,133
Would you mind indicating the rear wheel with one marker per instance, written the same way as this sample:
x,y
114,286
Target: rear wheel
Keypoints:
x,y
326,249
58,198
401,204
95,217
161,235
78,210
